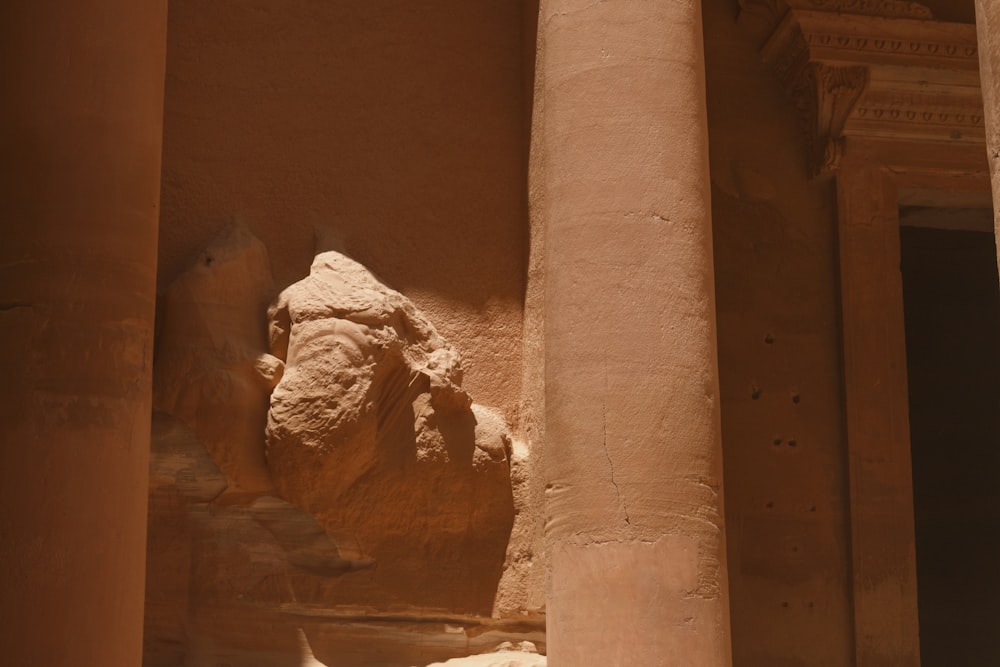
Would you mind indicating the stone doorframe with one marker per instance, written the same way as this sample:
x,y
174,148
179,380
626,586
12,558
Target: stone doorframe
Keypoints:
x,y
875,178
891,105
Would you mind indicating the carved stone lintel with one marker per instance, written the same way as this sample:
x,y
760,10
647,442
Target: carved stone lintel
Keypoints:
x,y
875,77
887,8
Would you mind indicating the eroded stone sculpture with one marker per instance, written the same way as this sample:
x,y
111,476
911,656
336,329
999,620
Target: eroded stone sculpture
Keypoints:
x,y
370,430
365,479
212,369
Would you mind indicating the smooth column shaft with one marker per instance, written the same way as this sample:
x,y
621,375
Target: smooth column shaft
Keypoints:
x,y
633,451
81,99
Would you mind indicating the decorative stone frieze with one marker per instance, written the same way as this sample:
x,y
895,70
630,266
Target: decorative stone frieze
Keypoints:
x,y
895,8
886,8
876,76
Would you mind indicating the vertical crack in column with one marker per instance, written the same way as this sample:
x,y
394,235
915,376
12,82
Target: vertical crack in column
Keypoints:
x,y
607,454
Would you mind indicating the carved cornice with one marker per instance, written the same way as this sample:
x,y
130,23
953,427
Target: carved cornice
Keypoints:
x,y
889,8
878,77
886,8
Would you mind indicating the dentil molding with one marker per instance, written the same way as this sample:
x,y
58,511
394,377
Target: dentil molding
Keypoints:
x,y
876,69
889,8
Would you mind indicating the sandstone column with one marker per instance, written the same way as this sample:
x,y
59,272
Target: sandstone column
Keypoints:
x,y
633,453
81,98
987,25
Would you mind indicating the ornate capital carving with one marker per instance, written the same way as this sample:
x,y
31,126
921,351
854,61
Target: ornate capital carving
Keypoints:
x,y
873,76
824,96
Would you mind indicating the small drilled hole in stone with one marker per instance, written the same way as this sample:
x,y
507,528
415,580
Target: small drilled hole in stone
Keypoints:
x,y
770,504
796,398
777,441
784,604
793,443
768,339
755,392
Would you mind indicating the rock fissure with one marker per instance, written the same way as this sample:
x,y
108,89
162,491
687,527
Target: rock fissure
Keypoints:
x,y
607,454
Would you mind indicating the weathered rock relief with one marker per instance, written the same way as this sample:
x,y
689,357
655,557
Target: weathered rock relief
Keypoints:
x,y
370,429
316,472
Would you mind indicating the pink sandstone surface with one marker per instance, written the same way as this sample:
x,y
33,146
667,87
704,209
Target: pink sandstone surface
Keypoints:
x,y
348,470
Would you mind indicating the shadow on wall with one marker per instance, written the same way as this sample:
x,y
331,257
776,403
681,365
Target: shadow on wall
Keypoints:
x,y
398,122
385,490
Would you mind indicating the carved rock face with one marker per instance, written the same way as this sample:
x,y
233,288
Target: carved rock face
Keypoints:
x,y
370,431
211,362
405,483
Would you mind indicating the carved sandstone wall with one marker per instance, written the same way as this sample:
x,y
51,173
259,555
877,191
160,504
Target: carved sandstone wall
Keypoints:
x,y
399,125
784,443
376,491
403,130
400,128
370,430
779,356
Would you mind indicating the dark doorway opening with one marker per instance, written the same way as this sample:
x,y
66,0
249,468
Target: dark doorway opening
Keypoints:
x,y
951,301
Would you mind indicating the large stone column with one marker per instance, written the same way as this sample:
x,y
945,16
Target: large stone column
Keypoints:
x,y
81,99
633,453
987,25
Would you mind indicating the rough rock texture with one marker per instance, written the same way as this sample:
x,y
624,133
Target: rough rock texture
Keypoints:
x,y
370,430
213,372
406,532
219,573
524,655
404,127
219,543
